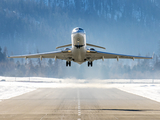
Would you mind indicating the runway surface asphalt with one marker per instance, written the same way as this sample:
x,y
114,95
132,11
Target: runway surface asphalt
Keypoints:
x,y
79,104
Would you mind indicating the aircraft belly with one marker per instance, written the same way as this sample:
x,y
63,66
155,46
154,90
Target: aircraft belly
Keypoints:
x,y
79,55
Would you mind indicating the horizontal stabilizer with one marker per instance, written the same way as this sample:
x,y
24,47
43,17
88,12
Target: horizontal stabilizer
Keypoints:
x,y
95,46
64,46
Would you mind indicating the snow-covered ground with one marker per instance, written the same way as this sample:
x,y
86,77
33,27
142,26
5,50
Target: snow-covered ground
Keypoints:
x,y
11,88
72,80
151,91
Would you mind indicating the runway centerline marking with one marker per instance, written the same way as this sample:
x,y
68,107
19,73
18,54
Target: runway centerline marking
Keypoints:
x,y
79,105
43,116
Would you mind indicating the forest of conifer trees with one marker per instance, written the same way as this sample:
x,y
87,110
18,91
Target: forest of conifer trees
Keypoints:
x,y
57,69
28,25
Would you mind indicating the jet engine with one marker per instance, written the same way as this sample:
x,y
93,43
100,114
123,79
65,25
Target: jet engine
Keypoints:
x,y
66,48
92,49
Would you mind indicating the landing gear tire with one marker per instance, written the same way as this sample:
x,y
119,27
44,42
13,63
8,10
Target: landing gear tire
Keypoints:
x,y
68,63
90,64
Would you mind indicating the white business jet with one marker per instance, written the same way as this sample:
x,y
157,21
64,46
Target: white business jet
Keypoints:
x,y
79,52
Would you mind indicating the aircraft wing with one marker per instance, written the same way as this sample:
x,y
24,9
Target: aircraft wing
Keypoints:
x,y
95,55
64,55
64,46
95,46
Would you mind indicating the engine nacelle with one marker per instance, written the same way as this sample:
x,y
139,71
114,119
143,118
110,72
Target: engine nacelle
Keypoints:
x,y
92,49
67,49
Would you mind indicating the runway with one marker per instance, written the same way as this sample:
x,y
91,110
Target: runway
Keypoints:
x,y
79,104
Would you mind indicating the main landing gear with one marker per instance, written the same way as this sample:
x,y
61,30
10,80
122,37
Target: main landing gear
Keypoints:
x,y
90,63
68,63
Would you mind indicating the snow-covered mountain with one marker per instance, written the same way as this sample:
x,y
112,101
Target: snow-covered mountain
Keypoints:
x,y
111,9
126,26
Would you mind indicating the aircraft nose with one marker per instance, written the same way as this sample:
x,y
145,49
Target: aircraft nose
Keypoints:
x,y
78,30
80,33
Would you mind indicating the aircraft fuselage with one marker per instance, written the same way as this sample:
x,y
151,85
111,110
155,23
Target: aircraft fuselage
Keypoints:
x,y
79,49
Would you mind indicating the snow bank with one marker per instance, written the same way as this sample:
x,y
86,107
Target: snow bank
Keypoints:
x,y
12,89
150,91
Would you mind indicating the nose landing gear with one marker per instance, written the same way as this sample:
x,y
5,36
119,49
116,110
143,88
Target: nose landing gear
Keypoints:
x,y
90,63
68,63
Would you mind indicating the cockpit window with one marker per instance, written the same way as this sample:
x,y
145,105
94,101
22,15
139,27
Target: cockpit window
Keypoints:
x,y
80,29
